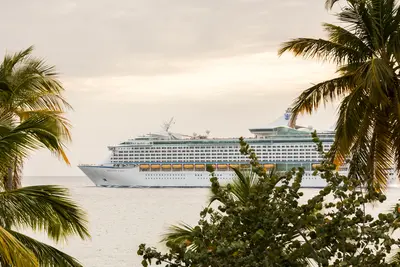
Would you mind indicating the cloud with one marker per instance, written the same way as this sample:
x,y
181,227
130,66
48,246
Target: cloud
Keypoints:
x,y
147,37
214,78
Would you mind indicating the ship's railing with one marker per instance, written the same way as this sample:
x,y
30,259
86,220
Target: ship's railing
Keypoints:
x,y
109,165
324,136
94,165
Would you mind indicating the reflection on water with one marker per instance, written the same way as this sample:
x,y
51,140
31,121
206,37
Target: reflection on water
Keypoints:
x,y
121,219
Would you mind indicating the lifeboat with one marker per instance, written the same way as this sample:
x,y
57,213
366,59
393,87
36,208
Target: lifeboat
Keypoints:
x,y
166,166
234,166
222,166
188,166
144,166
155,166
269,166
199,166
177,166
245,166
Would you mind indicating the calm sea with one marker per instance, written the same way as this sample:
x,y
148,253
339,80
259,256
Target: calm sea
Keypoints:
x,y
121,219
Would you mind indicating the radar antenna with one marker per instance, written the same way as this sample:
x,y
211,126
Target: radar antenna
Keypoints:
x,y
167,125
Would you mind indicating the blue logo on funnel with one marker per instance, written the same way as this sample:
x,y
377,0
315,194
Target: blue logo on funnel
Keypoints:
x,y
287,116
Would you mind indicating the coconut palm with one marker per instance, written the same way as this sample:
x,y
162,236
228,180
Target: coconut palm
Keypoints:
x,y
30,88
41,208
366,50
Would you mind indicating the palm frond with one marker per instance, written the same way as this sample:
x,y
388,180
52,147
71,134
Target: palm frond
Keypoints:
x,y
380,152
321,49
44,208
13,143
346,38
47,256
35,78
379,78
370,147
394,119
352,111
330,3
48,129
14,253
382,15
358,20
179,233
43,101
10,61
55,121
243,183
323,92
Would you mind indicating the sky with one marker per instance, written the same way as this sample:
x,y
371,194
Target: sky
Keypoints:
x,y
130,65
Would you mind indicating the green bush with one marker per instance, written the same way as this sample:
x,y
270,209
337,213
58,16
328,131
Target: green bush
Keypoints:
x,y
273,228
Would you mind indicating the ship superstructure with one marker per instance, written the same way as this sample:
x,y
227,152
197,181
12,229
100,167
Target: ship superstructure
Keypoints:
x,y
169,159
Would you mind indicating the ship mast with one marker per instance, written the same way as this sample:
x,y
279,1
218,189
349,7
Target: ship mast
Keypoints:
x,y
167,125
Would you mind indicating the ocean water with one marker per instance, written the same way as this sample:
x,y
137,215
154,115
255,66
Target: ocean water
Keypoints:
x,y
122,218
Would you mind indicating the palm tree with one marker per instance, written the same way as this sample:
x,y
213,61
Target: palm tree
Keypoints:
x,y
30,89
41,208
366,51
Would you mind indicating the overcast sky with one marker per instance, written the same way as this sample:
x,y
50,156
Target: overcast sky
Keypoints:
x,y
130,65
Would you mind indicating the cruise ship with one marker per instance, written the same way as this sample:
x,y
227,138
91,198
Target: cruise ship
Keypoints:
x,y
169,159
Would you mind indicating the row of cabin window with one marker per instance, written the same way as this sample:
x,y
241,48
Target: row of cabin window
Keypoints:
x,y
214,150
277,155
219,154
220,158
218,147
203,159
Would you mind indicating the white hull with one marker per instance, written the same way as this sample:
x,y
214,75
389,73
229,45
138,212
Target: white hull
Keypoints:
x,y
131,177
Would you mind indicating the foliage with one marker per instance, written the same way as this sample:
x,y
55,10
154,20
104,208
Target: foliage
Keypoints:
x,y
366,51
242,184
41,208
31,96
273,228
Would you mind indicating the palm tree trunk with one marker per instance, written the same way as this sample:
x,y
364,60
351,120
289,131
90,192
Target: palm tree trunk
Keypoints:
x,y
14,174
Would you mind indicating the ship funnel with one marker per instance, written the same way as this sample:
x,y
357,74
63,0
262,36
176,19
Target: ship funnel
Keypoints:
x,y
288,117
